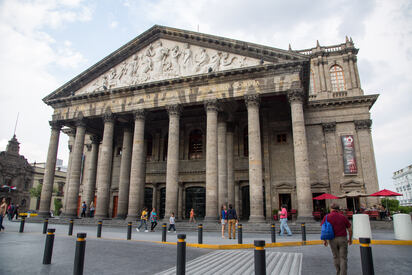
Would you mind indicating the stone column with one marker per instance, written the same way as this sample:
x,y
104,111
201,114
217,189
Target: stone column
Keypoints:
x,y
266,166
71,133
124,181
48,180
104,168
255,159
230,162
212,212
180,203
172,168
300,148
154,196
347,73
90,186
334,168
76,169
222,159
370,177
137,175
237,199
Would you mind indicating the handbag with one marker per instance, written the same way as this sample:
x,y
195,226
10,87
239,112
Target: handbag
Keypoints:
x,y
327,232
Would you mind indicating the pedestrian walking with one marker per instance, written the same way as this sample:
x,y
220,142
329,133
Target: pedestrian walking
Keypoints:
x,y
143,220
153,220
339,244
232,219
283,215
84,208
192,216
91,208
223,219
172,223
16,212
3,209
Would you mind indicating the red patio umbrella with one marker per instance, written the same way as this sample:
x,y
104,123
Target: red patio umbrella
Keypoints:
x,y
325,196
385,193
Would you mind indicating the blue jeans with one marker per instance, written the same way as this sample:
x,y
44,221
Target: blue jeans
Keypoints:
x,y
284,225
141,223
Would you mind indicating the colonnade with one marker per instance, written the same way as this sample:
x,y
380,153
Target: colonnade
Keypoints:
x,y
220,186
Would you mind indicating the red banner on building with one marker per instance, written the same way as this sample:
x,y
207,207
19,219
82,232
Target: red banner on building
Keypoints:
x,y
349,158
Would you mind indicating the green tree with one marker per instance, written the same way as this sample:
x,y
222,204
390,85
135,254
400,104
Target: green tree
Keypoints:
x,y
392,204
35,192
57,206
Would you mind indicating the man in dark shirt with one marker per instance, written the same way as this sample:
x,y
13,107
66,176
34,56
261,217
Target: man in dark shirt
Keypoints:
x,y
232,218
339,245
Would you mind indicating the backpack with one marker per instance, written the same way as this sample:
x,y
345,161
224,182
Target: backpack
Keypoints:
x,y
327,232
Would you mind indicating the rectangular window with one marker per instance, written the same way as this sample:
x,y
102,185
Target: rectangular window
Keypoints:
x,y
281,138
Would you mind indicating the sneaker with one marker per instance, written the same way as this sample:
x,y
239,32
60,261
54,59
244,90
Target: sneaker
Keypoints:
x,y
137,229
146,231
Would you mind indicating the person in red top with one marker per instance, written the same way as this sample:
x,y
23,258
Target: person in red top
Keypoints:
x,y
339,245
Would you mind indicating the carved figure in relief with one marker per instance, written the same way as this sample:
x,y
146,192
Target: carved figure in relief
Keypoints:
x,y
215,62
105,82
112,77
175,60
147,65
123,71
160,54
243,62
202,59
187,63
226,60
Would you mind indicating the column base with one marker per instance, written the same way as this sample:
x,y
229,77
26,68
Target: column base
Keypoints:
x,y
257,219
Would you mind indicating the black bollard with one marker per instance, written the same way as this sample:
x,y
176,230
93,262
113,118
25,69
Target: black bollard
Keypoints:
x,y
200,233
99,229
303,226
129,230
48,247
260,258
181,255
239,234
273,232
164,232
79,254
45,225
23,220
366,256
71,227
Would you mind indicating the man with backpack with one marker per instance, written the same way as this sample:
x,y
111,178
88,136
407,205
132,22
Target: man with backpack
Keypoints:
x,y
337,239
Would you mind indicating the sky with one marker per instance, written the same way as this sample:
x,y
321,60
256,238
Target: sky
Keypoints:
x,y
44,44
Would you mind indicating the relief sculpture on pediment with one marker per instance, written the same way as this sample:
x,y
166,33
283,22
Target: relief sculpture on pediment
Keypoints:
x,y
165,59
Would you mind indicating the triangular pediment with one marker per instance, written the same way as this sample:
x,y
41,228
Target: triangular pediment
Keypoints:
x,y
166,53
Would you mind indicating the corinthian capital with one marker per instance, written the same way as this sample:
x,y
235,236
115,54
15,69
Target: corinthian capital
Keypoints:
x,y
139,114
211,105
363,124
95,139
329,127
296,96
81,122
55,125
252,100
174,110
108,117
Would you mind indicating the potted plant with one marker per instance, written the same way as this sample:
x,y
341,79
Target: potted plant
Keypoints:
x,y
275,214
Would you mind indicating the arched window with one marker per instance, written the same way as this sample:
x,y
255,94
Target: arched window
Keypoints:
x,y
196,144
312,83
337,78
245,142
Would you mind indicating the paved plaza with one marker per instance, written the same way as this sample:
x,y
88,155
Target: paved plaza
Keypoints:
x,y
22,253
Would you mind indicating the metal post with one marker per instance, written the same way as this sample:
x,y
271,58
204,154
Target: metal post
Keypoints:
x,y
129,230
366,256
273,233
181,255
239,234
200,233
23,220
71,227
99,229
45,225
260,258
303,233
164,232
48,247
79,255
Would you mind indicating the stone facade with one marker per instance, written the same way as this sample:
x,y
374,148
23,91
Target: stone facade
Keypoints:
x,y
153,123
16,176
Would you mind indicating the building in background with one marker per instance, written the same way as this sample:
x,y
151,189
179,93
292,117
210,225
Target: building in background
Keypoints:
x,y
16,176
176,120
58,186
402,179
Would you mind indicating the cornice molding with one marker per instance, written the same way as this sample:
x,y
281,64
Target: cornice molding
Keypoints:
x,y
326,103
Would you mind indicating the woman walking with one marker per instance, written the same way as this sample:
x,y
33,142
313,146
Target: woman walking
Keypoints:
x,y
192,216
223,219
3,208
153,219
283,214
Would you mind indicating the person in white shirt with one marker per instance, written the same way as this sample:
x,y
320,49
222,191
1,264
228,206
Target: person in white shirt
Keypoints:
x,y
172,223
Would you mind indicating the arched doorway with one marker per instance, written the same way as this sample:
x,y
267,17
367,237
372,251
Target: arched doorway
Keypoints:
x,y
196,199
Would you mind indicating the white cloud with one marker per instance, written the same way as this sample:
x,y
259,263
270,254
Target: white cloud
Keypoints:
x,y
113,24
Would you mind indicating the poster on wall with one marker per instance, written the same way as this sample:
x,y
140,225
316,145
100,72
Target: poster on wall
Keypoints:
x,y
349,158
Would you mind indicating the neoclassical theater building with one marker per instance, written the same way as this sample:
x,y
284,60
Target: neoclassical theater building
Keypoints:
x,y
177,120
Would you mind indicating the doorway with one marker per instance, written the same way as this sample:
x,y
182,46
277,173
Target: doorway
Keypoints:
x,y
245,202
285,199
148,198
115,201
196,199
353,204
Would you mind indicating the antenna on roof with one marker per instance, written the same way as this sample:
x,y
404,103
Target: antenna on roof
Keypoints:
x,y
15,126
